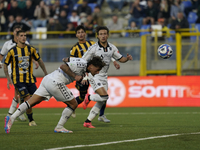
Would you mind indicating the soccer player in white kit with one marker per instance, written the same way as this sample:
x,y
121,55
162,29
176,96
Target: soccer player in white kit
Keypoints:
x,y
54,84
99,82
6,47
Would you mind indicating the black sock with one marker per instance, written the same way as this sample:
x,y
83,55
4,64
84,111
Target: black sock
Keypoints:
x,y
87,121
30,117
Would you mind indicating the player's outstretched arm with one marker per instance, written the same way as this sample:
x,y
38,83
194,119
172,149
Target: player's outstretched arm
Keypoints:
x,y
117,66
69,72
125,59
9,83
41,63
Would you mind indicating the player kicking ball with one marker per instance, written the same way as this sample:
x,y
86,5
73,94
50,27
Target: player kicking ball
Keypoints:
x,y
54,84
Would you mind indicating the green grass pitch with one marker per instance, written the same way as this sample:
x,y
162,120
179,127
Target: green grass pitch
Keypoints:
x,y
159,128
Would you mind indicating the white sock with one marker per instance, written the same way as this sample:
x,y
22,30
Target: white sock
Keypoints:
x,y
13,106
65,116
95,110
21,109
98,98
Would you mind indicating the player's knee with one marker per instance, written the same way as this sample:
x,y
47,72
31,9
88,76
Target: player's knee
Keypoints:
x,y
104,97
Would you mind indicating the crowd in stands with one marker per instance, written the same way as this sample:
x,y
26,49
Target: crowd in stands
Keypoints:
x,y
65,15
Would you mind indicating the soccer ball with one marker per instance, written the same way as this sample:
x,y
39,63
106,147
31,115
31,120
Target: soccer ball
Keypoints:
x,y
165,51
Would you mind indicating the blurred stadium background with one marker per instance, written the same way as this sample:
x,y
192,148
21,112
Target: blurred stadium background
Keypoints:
x,y
139,41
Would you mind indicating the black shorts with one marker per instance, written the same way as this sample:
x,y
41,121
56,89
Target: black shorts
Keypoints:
x,y
25,89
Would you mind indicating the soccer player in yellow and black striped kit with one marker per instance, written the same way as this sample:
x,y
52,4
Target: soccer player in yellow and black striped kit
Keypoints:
x,y
78,50
20,57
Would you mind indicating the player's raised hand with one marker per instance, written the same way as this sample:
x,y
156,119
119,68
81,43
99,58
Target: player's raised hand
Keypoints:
x,y
117,66
78,78
129,57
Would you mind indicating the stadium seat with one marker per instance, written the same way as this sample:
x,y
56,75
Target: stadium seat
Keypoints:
x,y
144,27
170,39
92,6
187,3
75,6
63,2
192,17
197,26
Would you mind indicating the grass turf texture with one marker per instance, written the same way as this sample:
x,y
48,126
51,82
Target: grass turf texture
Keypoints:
x,y
126,124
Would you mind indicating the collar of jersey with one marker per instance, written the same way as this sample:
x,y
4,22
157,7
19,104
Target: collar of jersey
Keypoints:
x,y
102,46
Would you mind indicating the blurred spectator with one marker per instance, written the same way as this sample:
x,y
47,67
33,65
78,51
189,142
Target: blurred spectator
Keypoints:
x,y
97,16
198,14
84,8
63,19
10,22
69,5
133,26
53,25
21,4
70,27
180,22
14,10
28,12
36,2
175,8
55,9
137,13
165,29
98,2
115,4
83,18
2,22
194,7
151,13
3,9
115,24
90,26
42,14
74,18
165,11
23,24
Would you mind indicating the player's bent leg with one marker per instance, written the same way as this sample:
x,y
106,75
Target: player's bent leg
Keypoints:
x,y
22,116
93,113
13,107
67,112
99,97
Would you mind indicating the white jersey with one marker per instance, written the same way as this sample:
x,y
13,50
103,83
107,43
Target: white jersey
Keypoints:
x,y
77,65
6,47
105,53
54,84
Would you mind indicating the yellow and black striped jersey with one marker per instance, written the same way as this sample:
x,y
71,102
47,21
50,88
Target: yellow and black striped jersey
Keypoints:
x,y
21,63
79,49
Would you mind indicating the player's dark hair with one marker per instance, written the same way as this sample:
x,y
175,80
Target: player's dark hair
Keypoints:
x,y
20,31
98,28
80,27
16,26
97,62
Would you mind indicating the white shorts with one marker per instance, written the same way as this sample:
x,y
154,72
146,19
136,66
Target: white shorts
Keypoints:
x,y
49,87
98,81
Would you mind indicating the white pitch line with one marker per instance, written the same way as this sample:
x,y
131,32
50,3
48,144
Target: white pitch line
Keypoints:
x,y
124,141
136,113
